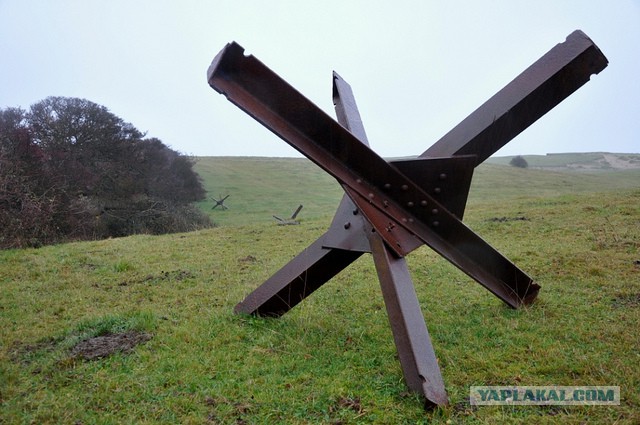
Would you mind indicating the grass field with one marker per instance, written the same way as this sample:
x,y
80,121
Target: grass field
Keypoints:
x,y
259,188
332,358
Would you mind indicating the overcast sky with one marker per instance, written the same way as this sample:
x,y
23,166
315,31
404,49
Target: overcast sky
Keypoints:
x,y
417,68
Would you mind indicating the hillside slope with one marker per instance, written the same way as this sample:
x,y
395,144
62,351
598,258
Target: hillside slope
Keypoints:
x,y
259,188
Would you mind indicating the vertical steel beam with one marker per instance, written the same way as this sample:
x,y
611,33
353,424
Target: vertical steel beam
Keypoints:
x,y
410,335
415,351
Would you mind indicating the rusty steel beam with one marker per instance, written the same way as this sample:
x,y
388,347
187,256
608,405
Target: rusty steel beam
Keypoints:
x,y
297,280
533,93
411,337
415,351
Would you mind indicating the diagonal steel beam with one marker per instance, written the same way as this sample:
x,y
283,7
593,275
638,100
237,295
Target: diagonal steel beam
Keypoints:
x,y
270,100
298,279
533,93
411,337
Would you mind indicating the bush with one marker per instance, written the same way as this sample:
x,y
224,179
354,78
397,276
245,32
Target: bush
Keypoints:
x,y
518,161
150,216
70,169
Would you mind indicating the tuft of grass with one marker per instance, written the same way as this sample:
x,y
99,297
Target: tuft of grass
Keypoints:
x,y
122,266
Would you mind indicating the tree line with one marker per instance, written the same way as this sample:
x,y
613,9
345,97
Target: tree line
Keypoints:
x,y
72,170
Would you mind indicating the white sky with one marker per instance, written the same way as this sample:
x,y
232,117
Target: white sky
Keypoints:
x,y
417,68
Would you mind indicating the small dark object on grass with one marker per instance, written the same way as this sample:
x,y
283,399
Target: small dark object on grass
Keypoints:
x,y
289,221
504,219
350,403
248,259
220,202
464,407
102,346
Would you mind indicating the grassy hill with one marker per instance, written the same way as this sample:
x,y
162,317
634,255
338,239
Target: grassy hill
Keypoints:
x,y
259,188
332,358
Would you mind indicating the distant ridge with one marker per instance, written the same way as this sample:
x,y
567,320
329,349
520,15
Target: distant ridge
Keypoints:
x,y
585,161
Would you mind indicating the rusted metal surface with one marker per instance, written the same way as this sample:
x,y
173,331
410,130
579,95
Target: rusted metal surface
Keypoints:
x,y
391,208
415,352
296,280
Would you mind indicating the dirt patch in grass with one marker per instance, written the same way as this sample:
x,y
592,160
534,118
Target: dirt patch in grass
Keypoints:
x,y
626,300
175,275
238,409
344,404
506,219
248,259
102,346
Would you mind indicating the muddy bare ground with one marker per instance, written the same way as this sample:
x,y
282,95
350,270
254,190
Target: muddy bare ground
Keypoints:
x,y
105,345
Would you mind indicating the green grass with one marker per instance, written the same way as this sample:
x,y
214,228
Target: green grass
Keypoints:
x,y
259,188
262,187
331,359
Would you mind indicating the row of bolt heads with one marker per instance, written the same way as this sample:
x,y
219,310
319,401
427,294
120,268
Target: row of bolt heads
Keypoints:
x,y
410,204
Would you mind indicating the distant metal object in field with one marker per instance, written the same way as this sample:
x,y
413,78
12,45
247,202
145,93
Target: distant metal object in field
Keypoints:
x,y
289,221
392,208
220,203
